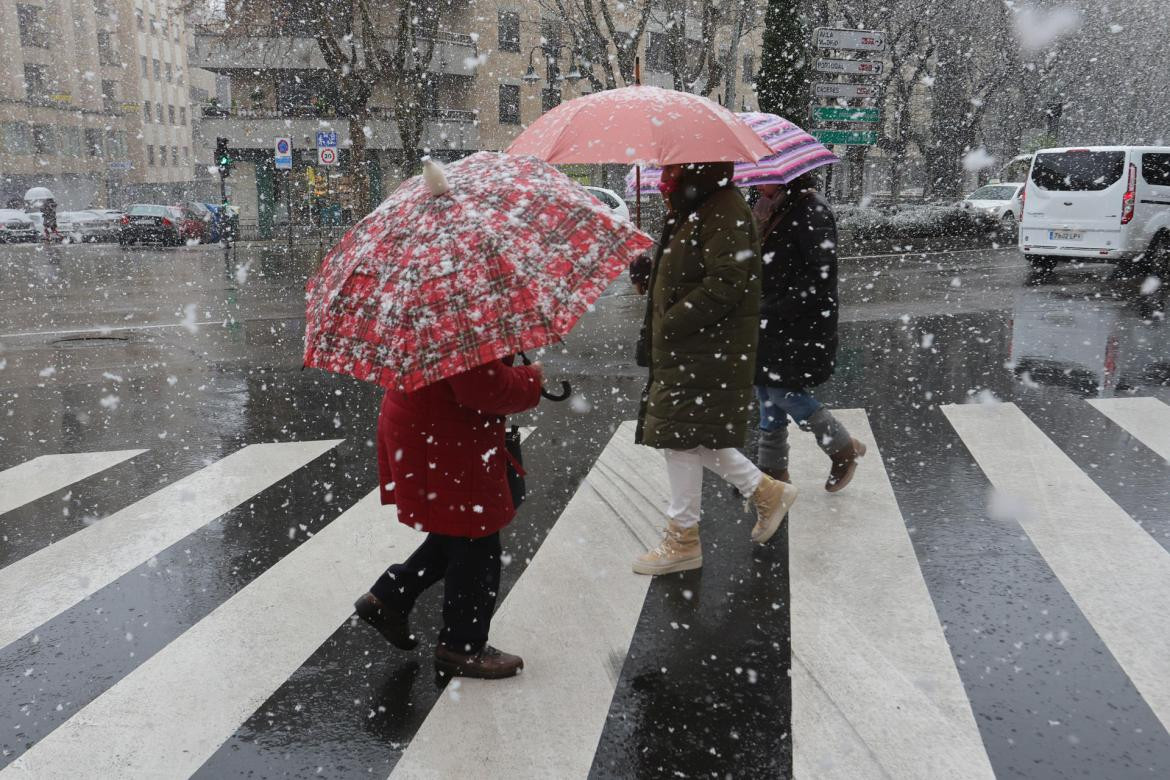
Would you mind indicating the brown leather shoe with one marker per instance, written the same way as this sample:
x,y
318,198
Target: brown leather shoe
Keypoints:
x,y
844,465
390,624
488,664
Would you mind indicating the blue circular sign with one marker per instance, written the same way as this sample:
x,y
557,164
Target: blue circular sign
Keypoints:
x,y
282,146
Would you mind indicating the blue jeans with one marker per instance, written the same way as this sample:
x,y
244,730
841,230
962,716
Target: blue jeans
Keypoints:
x,y
777,404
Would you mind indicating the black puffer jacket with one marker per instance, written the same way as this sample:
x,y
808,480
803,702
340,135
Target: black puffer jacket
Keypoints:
x,y
798,311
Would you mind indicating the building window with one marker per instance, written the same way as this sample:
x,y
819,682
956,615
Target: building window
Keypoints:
x,y
115,144
186,155
171,114
509,104
749,66
138,19
146,111
110,97
145,72
183,115
93,142
549,99
162,156
150,154
15,137
175,156
158,113
101,7
33,31
44,139
178,74
167,66
509,25
105,46
36,82
157,70
70,138
656,53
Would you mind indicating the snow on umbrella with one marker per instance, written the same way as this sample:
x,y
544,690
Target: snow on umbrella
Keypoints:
x,y
640,124
493,256
38,193
794,152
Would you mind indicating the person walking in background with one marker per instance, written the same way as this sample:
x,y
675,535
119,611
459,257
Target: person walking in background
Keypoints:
x,y
699,341
798,328
49,216
442,460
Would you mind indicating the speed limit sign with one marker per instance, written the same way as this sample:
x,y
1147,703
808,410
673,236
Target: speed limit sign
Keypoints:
x,y
327,155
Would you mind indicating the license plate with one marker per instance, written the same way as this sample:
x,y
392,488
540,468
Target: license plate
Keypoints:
x,y
1065,235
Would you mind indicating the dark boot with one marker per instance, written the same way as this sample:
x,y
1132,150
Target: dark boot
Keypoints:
x,y
488,664
844,465
390,624
780,474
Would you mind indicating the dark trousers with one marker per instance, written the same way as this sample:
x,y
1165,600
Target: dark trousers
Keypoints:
x,y
470,570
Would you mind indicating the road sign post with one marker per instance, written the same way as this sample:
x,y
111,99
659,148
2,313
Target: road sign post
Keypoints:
x,y
849,40
845,91
846,137
326,147
850,67
282,154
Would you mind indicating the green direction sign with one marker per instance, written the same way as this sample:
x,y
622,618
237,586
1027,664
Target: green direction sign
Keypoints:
x,y
845,114
846,137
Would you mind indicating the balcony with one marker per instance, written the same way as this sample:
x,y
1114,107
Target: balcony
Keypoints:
x,y
258,128
273,49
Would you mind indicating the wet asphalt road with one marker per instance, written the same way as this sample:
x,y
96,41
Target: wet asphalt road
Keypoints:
x,y
191,355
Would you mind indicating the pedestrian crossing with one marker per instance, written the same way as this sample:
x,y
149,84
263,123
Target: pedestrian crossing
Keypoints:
x,y
876,688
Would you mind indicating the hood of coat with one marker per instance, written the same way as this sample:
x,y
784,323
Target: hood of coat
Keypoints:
x,y
696,183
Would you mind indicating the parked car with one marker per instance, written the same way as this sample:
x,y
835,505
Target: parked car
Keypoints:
x,y
1000,202
89,225
16,226
194,222
1107,204
611,199
148,222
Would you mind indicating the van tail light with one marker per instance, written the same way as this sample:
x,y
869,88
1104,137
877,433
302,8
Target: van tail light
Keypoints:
x,y
125,220
166,222
1127,200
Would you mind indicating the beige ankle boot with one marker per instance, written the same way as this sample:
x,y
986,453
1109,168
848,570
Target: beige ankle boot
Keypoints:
x,y
772,499
679,551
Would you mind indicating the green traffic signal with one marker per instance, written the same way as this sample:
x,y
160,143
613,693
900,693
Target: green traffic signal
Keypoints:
x,y
223,157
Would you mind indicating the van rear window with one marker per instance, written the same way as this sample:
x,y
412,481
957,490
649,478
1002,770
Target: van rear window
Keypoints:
x,y
1083,171
1156,169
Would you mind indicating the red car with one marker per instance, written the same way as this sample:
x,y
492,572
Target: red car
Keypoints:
x,y
193,223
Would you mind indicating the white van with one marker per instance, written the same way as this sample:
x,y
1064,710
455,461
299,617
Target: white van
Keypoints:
x,y
1107,204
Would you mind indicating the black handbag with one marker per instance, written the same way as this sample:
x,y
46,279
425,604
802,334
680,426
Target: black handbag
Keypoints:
x,y
515,465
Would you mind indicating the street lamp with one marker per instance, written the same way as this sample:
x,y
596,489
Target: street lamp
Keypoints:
x,y
574,75
530,75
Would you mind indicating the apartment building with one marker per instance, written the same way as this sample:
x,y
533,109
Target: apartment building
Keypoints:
x,y
497,66
95,101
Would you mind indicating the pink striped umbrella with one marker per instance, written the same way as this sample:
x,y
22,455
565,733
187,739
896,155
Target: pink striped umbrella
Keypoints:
x,y
796,152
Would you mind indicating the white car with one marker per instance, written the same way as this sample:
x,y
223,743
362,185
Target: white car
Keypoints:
x,y
90,225
1000,202
1105,204
611,199
16,226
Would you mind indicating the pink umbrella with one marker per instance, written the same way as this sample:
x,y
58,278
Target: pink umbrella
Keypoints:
x,y
794,152
640,124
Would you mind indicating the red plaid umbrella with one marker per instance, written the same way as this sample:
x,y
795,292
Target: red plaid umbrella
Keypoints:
x,y
492,256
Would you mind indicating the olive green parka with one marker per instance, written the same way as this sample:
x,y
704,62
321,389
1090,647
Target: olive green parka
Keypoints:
x,y
702,318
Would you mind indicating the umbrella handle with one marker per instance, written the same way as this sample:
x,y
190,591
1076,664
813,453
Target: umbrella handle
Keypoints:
x,y
566,391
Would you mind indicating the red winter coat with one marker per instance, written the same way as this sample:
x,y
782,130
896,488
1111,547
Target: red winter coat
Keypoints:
x,y
441,455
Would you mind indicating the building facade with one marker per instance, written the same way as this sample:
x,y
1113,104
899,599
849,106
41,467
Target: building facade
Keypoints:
x,y
497,66
95,101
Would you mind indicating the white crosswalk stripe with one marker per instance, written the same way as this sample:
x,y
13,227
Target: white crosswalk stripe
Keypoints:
x,y
875,688
168,716
1146,419
44,584
875,692
577,593
1115,571
49,473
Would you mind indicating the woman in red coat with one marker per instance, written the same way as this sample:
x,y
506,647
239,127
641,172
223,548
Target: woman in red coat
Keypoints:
x,y
442,461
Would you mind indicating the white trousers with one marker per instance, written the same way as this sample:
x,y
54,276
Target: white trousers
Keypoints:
x,y
684,470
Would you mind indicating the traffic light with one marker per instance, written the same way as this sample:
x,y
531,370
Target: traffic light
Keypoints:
x,y
223,157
